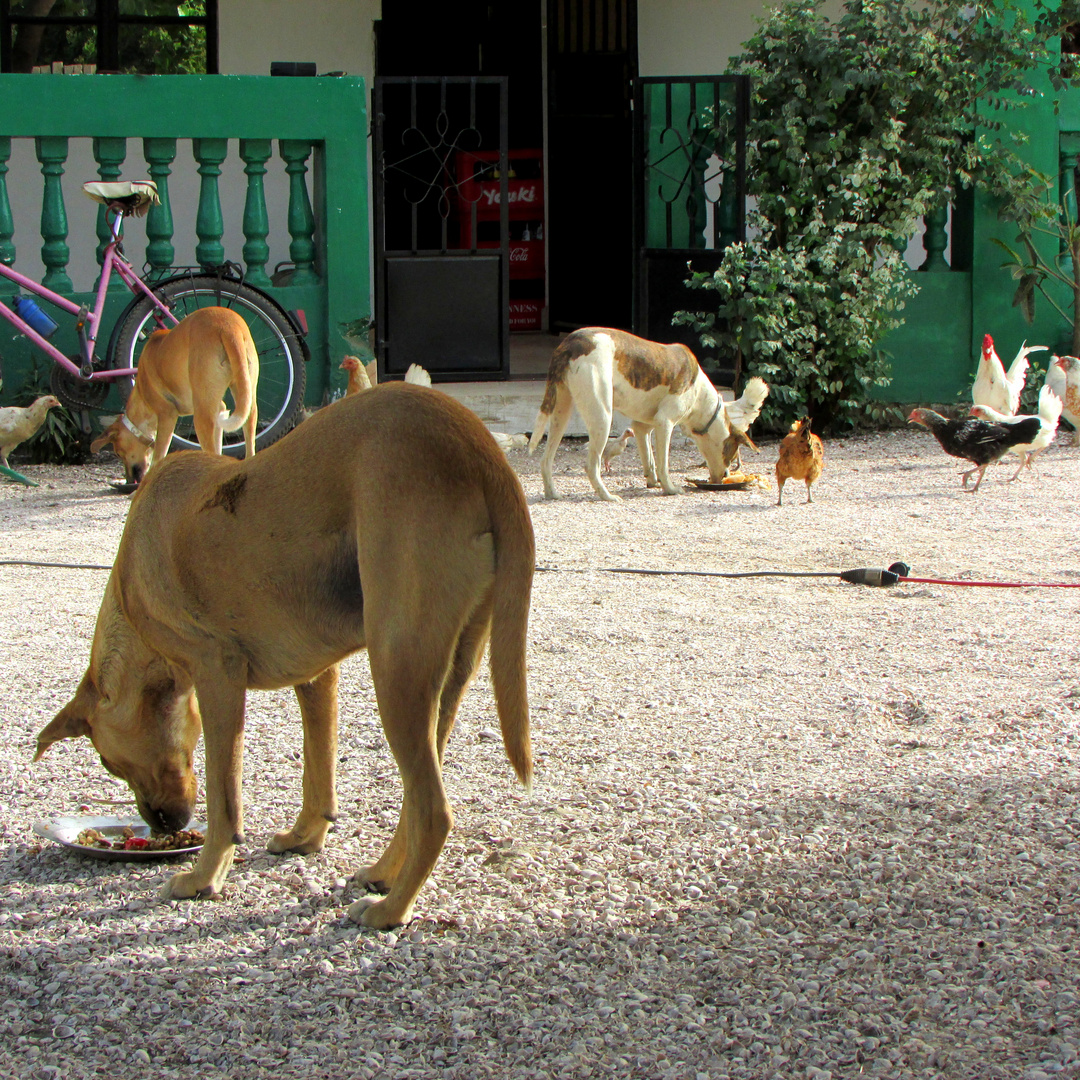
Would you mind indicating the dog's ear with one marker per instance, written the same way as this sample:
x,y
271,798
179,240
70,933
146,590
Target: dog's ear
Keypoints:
x,y
745,440
107,437
72,720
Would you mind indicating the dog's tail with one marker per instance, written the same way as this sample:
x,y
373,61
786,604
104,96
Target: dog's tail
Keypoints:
x,y
244,362
539,427
515,561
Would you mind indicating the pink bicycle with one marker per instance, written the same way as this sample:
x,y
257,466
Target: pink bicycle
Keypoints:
x,y
83,381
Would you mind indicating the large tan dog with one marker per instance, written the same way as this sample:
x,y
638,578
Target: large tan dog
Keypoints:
x,y
185,371
389,520
658,387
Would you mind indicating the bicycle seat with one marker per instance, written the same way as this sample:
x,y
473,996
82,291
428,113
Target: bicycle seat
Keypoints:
x,y
127,196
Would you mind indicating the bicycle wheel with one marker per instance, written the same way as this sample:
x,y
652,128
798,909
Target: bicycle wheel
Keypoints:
x,y
281,350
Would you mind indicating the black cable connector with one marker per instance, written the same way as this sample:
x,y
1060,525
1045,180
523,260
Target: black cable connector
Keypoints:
x,y
869,575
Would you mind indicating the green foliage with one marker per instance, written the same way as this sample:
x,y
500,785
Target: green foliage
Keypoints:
x,y
60,440
1046,223
807,319
859,128
144,49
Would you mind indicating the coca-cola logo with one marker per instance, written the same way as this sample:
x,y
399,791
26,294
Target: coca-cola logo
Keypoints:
x,y
519,254
518,194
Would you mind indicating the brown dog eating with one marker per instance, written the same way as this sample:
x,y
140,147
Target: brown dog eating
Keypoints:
x,y
185,371
390,520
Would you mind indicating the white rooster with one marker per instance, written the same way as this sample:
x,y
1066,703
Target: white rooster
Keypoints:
x,y
1063,377
1049,414
997,388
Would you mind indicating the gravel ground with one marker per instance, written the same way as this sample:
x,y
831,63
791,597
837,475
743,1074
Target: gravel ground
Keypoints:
x,y
781,827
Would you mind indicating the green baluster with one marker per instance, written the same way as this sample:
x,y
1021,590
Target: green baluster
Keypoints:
x,y
52,152
294,153
109,153
727,210
256,153
1067,180
7,222
209,225
935,240
160,153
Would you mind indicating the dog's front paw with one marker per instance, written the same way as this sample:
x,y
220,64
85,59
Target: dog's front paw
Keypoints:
x,y
188,886
377,914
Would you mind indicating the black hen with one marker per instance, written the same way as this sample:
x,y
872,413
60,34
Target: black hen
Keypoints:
x,y
978,441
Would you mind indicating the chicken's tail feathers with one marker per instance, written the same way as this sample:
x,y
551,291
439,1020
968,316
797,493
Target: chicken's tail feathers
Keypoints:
x,y
1050,405
742,412
417,376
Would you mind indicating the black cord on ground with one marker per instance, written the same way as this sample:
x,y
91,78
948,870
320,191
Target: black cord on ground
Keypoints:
x,y
55,565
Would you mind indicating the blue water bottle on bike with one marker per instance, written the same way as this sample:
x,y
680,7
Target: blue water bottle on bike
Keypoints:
x,y
33,316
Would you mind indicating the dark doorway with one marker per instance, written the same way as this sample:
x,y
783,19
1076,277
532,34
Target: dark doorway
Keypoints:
x,y
570,141
441,225
592,62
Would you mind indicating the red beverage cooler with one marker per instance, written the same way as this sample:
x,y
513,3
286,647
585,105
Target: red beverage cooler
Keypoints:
x,y
478,190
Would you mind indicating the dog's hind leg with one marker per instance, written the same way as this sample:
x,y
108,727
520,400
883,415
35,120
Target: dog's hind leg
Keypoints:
x,y
250,426
380,876
592,393
208,432
643,438
409,672
319,709
560,418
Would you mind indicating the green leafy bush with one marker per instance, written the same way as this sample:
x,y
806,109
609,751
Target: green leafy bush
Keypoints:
x,y
859,128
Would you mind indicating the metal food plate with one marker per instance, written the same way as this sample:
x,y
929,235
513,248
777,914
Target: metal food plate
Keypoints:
x,y
63,830
708,485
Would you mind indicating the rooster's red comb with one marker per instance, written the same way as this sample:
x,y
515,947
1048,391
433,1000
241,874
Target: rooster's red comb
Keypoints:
x,y
988,343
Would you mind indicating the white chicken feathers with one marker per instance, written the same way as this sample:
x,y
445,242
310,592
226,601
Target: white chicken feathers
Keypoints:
x,y
997,388
18,423
1049,414
417,376
742,412
1063,377
614,447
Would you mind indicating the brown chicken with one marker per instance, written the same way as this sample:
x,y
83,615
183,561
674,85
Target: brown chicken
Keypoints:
x,y
358,377
801,458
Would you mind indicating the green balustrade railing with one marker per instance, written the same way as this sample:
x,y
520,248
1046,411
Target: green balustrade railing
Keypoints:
x,y
314,130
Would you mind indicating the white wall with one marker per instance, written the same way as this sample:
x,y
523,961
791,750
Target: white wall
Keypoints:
x,y
335,34
699,37
692,37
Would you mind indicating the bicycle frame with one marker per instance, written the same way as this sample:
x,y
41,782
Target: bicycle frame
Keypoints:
x,y
88,322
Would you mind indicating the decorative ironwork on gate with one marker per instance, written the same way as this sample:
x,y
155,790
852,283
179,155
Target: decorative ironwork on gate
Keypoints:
x,y
441,261
691,190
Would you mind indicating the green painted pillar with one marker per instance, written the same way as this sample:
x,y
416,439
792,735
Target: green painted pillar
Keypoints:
x,y
935,240
1067,180
295,153
209,224
160,153
7,222
52,152
256,153
109,153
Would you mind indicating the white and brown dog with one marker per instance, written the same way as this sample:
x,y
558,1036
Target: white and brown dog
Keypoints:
x,y
658,387
185,371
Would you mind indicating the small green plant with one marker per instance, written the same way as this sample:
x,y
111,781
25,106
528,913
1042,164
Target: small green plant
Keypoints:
x,y
60,440
1046,259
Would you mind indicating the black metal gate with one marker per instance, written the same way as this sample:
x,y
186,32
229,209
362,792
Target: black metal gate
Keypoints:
x,y
441,226
690,198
